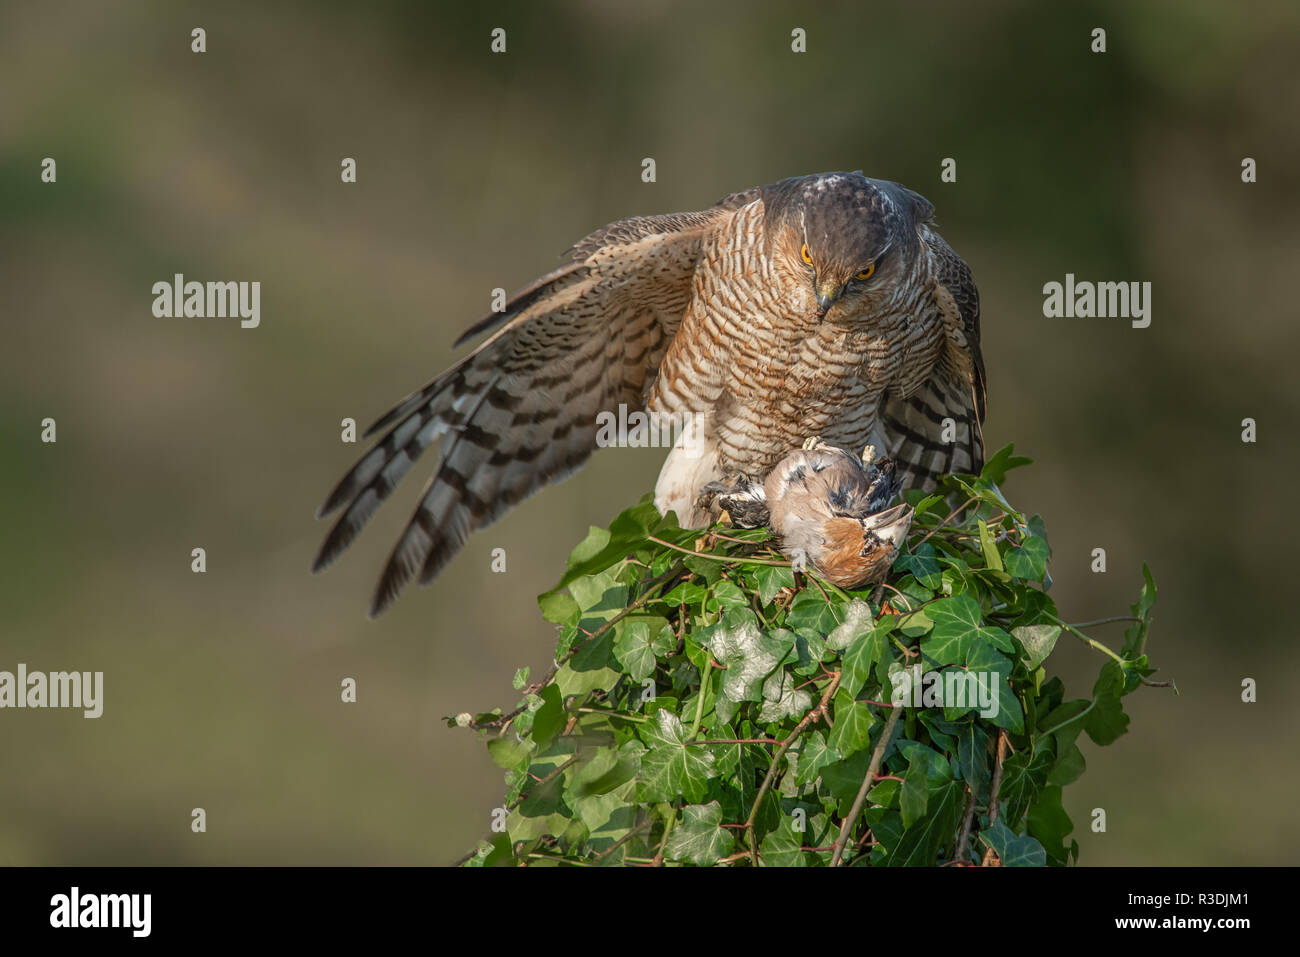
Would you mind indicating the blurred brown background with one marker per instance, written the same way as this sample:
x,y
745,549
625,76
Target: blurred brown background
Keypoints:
x,y
476,171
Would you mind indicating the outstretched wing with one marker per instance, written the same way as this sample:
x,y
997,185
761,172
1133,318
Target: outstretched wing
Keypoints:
x,y
520,410
955,389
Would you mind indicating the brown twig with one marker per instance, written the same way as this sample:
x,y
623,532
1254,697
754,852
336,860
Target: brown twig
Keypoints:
x,y
648,822
736,741
967,819
808,719
542,783
990,855
877,758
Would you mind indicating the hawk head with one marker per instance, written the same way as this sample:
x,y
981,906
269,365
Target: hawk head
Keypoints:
x,y
850,237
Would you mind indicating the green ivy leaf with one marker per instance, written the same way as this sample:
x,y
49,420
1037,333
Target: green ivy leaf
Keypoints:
x,y
559,608
1038,642
669,768
640,642
509,753
548,719
810,610
771,579
1024,775
921,563
1135,635
698,838
1050,824
916,787
602,548
990,549
1012,849
607,770
1001,462
974,760
857,621
748,655
783,698
607,816
920,843
783,846
1029,561
864,654
727,595
853,721
814,754
1107,720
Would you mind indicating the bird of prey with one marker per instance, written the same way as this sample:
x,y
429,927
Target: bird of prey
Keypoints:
x,y
828,509
819,305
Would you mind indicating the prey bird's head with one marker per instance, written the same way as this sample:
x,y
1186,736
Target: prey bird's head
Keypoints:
x,y
849,237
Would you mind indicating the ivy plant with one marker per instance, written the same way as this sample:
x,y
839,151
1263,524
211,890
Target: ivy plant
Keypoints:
x,y
709,705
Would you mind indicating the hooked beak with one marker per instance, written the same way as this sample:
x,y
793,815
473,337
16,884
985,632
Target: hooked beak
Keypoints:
x,y
827,294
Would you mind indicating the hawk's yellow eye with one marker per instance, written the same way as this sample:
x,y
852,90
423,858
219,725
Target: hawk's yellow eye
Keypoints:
x,y
866,273
805,254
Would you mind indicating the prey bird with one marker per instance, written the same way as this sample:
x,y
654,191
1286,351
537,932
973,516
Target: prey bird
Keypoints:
x,y
820,305
828,508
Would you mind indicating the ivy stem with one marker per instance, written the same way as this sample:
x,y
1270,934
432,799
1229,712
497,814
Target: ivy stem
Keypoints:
x,y
1058,727
836,588
658,859
639,719
1102,648
716,558
1105,621
1091,642
568,861
699,705
877,758
994,787
736,741
951,515
967,819
648,822
807,719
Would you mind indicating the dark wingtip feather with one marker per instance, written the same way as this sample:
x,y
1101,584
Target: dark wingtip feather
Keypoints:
x,y
485,323
335,542
337,498
396,576
378,605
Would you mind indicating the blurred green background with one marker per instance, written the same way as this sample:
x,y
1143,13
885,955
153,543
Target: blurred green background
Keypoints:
x,y
477,170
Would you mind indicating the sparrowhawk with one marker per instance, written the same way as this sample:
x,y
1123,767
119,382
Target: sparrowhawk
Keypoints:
x,y
819,305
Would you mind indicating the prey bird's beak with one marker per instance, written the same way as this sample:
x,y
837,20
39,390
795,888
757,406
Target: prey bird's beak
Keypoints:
x,y
827,294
